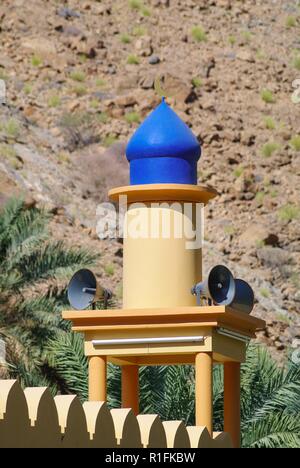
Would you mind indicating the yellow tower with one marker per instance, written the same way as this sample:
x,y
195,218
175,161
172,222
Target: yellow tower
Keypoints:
x,y
160,322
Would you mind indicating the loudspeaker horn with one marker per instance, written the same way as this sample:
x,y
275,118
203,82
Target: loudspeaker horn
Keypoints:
x,y
243,300
84,290
219,287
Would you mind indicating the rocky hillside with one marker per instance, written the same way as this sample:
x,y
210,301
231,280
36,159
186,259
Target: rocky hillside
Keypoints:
x,y
80,77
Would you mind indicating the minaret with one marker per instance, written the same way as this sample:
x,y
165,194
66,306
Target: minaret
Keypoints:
x,y
159,268
160,321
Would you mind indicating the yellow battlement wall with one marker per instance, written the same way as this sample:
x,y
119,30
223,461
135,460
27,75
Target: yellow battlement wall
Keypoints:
x,y
33,418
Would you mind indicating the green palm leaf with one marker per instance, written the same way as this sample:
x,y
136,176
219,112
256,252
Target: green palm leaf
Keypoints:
x,y
53,261
276,430
66,355
152,388
27,258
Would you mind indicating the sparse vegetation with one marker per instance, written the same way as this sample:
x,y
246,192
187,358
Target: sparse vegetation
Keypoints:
x,y
100,83
231,40
229,229
260,54
273,193
247,36
264,292
133,60
54,101
36,61
94,103
63,157
82,58
119,291
132,117
73,120
8,153
139,31
77,75
270,123
269,148
3,75
196,82
146,11
295,279
79,129
296,62
102,117
109,140
267,96
138,5
288,212
27,89
259,244
259,197
80,90
12,128
295,142
291,21
199,34
135,4
281,317
125,38
238,171
109,269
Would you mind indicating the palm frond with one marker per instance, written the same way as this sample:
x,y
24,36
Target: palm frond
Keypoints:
x,y
27,257
8,216
152,386
54,260
276,430
266,387
218,397
113,386
28,378
66,355
21,229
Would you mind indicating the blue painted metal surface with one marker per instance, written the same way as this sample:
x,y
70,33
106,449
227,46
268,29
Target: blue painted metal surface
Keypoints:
x,y
163,150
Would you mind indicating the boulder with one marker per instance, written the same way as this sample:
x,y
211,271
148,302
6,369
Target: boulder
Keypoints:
x,y
258,234
144,46
273,256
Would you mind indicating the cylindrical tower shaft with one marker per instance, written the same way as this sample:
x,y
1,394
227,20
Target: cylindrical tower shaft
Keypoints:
x,y
162,260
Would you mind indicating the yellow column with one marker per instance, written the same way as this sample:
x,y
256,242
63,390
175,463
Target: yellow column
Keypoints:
x,y
204,390
232,401
97,378
130,388
159,269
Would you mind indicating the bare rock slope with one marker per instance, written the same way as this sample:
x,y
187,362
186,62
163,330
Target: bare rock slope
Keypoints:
x,y
80,76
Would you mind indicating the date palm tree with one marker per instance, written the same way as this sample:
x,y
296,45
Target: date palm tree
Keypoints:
x,y
31,267
43,351
270,395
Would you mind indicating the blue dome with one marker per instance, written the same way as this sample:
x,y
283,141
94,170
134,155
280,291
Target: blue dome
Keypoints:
x,y
163,150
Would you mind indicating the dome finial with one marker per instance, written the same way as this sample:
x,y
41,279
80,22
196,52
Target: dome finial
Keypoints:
x,y
163,150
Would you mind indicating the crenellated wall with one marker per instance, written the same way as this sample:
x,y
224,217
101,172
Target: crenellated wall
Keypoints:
x,y
33,418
